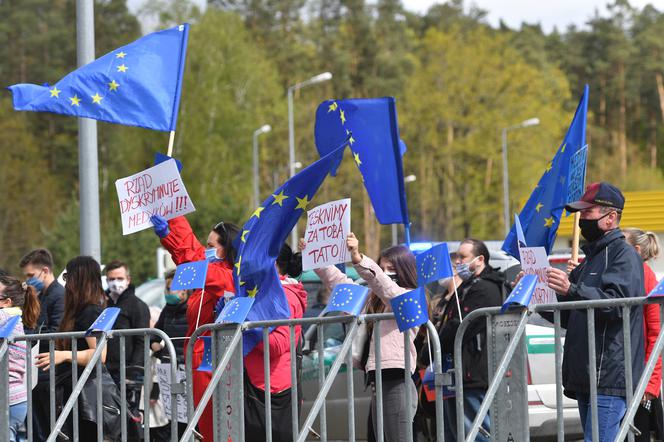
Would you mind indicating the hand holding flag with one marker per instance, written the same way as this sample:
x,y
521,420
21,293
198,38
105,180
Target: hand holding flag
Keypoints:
x,y
434,264
190,275
410,309
349,298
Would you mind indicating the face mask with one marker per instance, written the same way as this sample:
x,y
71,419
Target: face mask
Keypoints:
x,y
171,298
590,228
117,286
38,284
211,255
463,270
393,276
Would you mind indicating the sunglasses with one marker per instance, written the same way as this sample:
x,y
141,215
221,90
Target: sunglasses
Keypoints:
x,y
220,225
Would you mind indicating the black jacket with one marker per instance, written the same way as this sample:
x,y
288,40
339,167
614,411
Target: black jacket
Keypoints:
x,y
481,291
52,307
173,322
134,313
612,269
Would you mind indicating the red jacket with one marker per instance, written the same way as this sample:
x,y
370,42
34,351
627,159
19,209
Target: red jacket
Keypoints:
x,y
651,327
184,247
280,357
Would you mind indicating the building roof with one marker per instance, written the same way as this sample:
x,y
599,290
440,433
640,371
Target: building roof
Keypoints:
x,y
644,210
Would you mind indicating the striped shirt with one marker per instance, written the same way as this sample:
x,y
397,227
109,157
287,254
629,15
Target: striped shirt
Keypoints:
x,y
16,358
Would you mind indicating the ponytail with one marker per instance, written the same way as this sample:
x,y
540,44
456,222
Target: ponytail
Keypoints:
x,y
31,307
289,263
647,241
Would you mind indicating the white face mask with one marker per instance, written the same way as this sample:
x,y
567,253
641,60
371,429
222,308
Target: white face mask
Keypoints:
x,y
117,286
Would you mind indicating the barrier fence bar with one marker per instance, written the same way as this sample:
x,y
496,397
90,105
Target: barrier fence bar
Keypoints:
x,y
28,381
74,380
592,369
350,394
627,352
438,379
100,402
294,397
558,349
322,416
266,377
408,378
4,386
123,389
379,381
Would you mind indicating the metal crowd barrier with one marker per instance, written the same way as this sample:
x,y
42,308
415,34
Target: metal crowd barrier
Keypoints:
x,y
496,377
226,343
57,422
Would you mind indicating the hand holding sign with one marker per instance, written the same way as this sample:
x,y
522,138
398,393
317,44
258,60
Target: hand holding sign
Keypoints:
x,y
328,226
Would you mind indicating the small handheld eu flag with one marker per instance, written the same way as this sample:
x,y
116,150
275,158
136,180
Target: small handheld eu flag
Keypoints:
x,y
434,264
105,321
190,275
521,293
658,290
410,309
206,362
7,328
236,310
349,298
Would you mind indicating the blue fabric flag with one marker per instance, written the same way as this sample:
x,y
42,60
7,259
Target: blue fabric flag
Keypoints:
x,y
371,125
541,215
521,293
7,328
160,158
190,275
136,85
262,237
410,309
105,321
206,362
519,231
235,310
434,264
349,298
657,291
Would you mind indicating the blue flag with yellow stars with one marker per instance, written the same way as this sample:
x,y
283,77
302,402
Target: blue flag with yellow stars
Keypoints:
x,y
206,362
236,310
190,275
370,124
521,293
105,321
658,290
410,309
136,85
262,237
541,215
349,298
434,264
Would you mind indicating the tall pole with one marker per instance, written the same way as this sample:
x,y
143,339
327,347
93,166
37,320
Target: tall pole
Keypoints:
x,y
88,174
506,187
291,154
255,155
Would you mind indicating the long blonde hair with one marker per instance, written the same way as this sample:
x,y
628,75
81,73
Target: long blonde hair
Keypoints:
x,y
647,241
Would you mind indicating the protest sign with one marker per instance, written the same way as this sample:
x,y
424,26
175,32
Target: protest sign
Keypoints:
x,y
577,175
328,226
164,380
158,190
535,261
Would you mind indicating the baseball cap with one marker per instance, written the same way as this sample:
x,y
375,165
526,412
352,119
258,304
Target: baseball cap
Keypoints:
x,y
599,194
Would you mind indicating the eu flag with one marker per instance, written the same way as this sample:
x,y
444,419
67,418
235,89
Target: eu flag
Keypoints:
x,y
262,237
349,298
521,293
136,85
206,362
235,310
519,231
410,309
541,215
190,275
657,291
105,321
371,124
434,264
7,328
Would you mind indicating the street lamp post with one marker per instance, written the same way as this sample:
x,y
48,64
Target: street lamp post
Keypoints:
x,y
395,238
325,76
262,130
506,185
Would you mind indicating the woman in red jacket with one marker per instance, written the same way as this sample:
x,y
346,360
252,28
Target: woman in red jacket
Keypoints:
x,y
177,237
289,266
649,415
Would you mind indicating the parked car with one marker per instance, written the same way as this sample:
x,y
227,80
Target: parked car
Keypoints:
x,y
152,292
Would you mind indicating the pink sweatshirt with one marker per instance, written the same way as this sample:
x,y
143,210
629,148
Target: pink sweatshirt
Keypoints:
x,y
16,358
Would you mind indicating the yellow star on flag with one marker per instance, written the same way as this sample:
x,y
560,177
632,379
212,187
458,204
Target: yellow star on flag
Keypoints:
x,y
96,98
122,68
244,236
279,198
563,148
120,55
252,293
302,203
342,115
357,159
238,264
351,140
549,166
75,100
548,222
538,207
332,107
257,212
113,86
55,92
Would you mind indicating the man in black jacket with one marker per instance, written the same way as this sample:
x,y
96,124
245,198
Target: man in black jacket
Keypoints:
x,y
612,269
481,287
134,313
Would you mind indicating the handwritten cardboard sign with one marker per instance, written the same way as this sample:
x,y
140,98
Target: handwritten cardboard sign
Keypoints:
x,y
577,175
157,190
328,226
535,261
164,380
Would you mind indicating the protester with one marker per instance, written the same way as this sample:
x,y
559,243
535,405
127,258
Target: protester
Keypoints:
x,y
481,287
178,238
611,270
17,299
289,266
394,274
134,313
649,415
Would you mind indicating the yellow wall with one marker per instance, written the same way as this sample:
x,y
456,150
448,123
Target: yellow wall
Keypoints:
x,y
644,210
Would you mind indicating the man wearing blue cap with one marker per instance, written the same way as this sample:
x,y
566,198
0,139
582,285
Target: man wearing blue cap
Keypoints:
x,y
611,269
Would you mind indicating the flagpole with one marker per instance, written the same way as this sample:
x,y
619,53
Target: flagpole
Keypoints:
x,y
171,140
575,238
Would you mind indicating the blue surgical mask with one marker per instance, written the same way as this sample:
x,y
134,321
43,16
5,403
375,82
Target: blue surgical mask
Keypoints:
x,y
463,270
172,298
38,284
211,255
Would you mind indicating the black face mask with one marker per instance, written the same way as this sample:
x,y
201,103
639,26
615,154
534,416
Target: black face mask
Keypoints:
x,y
590,228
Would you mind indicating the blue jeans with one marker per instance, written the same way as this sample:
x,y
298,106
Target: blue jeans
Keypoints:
x,y
17,414
610,411
472,401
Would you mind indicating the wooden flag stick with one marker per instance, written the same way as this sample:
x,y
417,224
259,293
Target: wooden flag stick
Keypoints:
x,y
575,238
171,140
